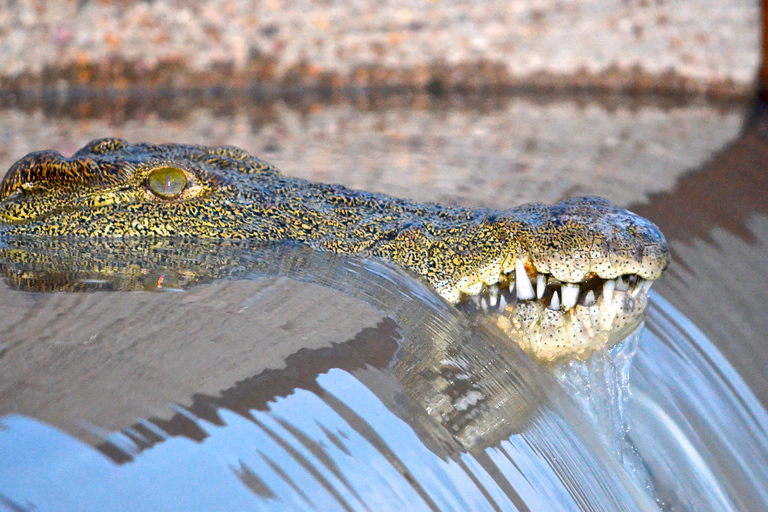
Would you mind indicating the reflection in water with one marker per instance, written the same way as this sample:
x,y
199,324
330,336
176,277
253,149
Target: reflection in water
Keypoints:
x,y
485,151
447,416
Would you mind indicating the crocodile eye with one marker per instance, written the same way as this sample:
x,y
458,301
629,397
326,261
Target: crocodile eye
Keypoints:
x,y
167,182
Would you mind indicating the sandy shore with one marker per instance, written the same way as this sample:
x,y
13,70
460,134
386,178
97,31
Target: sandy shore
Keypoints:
x,y
689,46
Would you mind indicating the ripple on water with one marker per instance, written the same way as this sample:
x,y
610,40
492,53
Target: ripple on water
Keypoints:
x,y
458,420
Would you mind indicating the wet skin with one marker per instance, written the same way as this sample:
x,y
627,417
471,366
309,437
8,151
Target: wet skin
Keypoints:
x,y
555,278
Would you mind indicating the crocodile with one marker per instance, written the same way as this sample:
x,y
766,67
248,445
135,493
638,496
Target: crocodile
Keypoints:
x,y
559,279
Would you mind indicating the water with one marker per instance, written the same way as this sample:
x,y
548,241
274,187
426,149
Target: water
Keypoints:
x,y
709,429
458,419
299,381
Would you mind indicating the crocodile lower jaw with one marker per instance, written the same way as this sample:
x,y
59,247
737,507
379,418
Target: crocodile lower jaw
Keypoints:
x,y
551,320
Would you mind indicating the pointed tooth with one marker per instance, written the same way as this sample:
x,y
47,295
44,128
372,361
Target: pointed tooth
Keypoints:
x,y
541,285
493,295
502,303
570,295
608,288
523,284
589,299
554,304
621,284
511,286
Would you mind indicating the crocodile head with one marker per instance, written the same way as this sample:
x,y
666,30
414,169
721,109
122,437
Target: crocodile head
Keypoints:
x,y
575,279
559,280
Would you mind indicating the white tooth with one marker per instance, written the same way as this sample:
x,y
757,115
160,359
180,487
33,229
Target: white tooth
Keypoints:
x,y
523,284
647,286
570,295
541,285
589,299
621,284
493,295
502,303
638,287
554,304
511,286
608,288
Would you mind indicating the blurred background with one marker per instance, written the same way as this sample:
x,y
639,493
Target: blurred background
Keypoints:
x,y
685,47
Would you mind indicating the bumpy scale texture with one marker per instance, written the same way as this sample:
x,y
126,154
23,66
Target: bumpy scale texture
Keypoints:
x,y
104,191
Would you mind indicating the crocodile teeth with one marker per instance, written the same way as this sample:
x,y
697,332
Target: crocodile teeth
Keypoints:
x,y
589,298
638,287
608,288
621,284
493,295
554,304
523,284
541,285
570,295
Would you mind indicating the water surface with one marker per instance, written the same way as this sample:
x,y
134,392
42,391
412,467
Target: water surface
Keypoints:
x,y
313,382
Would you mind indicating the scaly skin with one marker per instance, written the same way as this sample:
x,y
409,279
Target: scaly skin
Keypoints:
x,y
104,191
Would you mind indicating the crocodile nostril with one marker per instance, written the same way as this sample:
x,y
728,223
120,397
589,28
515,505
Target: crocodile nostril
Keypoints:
x,y
167,182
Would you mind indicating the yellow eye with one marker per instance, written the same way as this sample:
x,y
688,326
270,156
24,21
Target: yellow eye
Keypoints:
x,y
167,182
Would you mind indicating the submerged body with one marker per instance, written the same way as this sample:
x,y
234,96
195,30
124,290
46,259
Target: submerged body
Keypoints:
x,y
559,276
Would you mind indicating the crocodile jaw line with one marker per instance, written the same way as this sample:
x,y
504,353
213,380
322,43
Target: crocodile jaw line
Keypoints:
x,y
553,320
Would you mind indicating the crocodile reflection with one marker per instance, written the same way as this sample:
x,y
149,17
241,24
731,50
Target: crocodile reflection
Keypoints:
x,y
446,377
